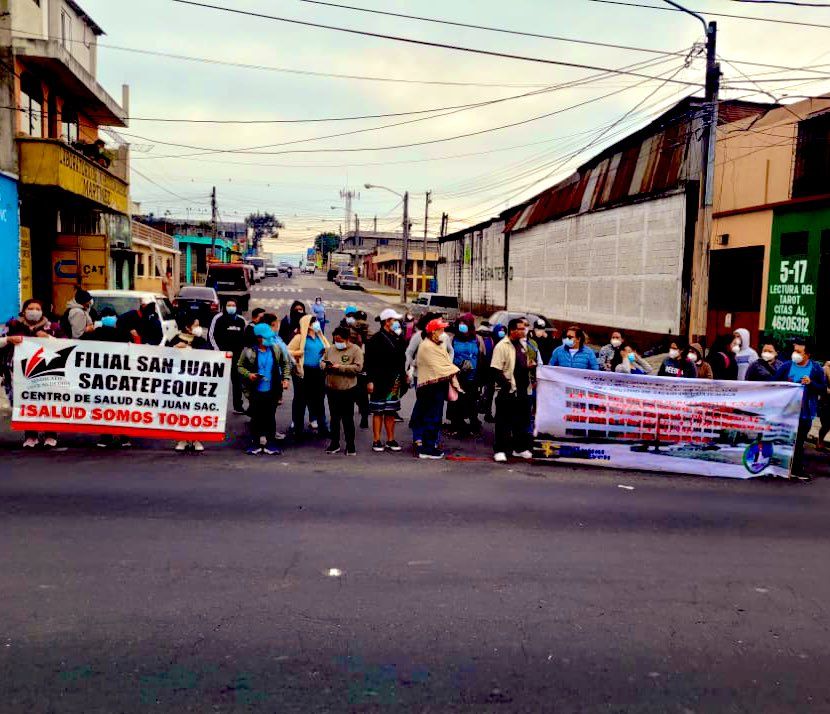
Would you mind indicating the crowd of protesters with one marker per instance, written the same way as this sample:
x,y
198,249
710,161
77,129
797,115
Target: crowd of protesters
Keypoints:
x,y
468,371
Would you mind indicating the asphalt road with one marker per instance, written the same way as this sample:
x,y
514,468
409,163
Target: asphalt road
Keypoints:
x,y
152,581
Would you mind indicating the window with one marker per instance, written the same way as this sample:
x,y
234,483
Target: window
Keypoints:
x,y
793,244
69,125
31,106
735,279
139,266
66,30
812,157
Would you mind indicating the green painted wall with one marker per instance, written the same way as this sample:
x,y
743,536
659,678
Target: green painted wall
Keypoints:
x,y
794,271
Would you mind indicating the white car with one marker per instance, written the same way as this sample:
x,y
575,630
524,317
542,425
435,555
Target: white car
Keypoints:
x,y
122,301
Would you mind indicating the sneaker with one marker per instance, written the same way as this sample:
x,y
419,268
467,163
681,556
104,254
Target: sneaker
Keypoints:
x,y
181,446
430,453
280,436
377,446
197,446
312,425
30,444
351,451
254,450
239,411
333,449
523,454
103,444
500,457
393,445
272,450
125,443
50,443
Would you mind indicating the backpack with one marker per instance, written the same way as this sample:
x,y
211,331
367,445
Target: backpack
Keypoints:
x,y
466,355
66,326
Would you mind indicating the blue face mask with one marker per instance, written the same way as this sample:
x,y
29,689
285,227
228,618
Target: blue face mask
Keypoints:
x,y
632,357
396,326
109,321
463,329
231,309
500,335
340,345
568,342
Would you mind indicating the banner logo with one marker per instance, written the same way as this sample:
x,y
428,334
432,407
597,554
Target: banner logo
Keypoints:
x,y
45,363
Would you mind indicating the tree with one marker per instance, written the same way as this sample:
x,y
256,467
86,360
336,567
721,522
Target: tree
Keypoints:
x,y
265,225
326,243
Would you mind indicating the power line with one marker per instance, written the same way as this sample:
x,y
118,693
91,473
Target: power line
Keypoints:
x,y
423,43
771,2
713,14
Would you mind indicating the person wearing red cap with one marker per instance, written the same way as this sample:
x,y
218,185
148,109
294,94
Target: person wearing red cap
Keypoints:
x,y
437,375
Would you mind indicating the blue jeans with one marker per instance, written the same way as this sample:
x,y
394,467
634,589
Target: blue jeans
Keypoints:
x,y
428,414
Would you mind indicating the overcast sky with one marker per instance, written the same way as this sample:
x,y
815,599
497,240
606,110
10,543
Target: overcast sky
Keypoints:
x,y
471,178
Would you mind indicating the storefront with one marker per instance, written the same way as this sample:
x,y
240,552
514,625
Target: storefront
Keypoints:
x,y
76,213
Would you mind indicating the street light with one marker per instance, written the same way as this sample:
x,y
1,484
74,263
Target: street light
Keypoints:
x,y
405,252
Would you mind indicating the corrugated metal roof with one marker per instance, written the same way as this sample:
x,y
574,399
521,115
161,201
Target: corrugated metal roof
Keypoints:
x,y
658,158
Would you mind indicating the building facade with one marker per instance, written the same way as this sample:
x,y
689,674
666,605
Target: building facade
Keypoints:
x,y
155,254
73,183
770,251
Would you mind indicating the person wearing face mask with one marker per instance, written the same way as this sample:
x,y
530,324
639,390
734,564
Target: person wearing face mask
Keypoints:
x,y
722,359
318,309
490,336
191,336
77,321
677,364
290,325
694,355
609,355
386,379
342,363
32,322
573,352
227,334
263,372
742,349
765,369
512,375
415,343
408,326
800,369
307,349
631,362
468,352
436,373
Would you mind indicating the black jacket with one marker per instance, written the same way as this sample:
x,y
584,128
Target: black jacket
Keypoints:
x,y
227,333
107,334
385,360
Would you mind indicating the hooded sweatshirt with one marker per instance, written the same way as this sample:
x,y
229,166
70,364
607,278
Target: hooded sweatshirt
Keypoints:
x,y
297,345
291,322
78,318
747,355
702,367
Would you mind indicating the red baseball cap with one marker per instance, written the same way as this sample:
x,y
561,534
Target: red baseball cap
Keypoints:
x,y
437,324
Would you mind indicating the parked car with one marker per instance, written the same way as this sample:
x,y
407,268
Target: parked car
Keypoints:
x,y
447,305
310,268
124,301
503,317
197,301
347,281
258,265
231,280
271,270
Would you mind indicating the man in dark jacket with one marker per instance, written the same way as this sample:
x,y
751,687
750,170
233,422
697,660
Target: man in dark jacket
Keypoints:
x,y
765,368
143,325
227,334
256,317
802,370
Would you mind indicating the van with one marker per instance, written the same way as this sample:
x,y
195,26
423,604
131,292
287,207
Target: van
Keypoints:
x,y
446,305
231,280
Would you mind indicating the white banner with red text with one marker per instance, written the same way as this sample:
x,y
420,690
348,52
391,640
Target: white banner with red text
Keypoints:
x,y
114,388
688,426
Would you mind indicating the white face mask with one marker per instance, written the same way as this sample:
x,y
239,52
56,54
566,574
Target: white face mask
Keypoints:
x,y
798,358
674,354
692,357
615,342
768,356
197,331
33,315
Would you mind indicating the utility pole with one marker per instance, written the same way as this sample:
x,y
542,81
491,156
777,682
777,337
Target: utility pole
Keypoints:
x,y
405,251
699,297
213,226
376,224
426,229
347,195
445,219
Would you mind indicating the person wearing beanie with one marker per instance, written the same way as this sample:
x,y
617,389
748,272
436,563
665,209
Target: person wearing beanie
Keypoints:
x,y
76,320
